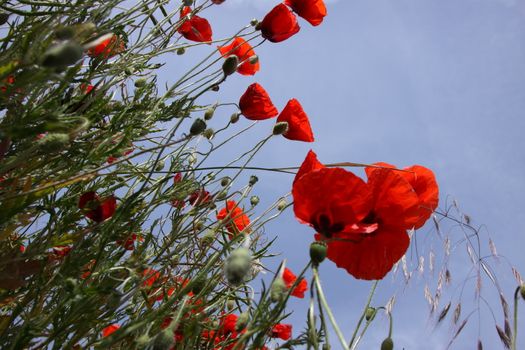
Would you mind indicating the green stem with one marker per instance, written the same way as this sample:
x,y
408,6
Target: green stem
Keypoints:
x,y
515,326
370,296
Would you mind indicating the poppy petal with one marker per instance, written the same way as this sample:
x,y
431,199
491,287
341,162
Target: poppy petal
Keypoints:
x,y
424,183
194,28
309,164
279,24
243,50
299,128
313,11
255,104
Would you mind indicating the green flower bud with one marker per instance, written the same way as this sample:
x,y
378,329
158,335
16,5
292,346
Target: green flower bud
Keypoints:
x,y
225,181
281,205
54,142
326,346
387,344
254,200
209,113
181,51
208,238
142,341
160,165
254,22
242,321
141,82
230,305
235,118
253,180
253,59
318,252
63,54
278,290
187,2
215,87
522,291
164,340
230,65
208,133
197,127
280,128
370,313
237,266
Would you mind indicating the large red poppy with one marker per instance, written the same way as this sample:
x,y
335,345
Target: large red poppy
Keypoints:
x,y
236,219
309,164
194,28
279,24
289,279
255,104
299,128
330,199
243,50
311,10
96,209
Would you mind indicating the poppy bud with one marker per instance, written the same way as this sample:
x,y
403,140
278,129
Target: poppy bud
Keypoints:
x,y
208,133
253,180
225,181
230,304
370,313
278,290
141,82
3,18
181,51
318,252
242,321
160,165
142,341
163,340
326,346
71,285
209,113
253,59
280,128
238,266
187,2
230,65
197,127
254,22
254,200
208,238
387,344
235,118
222,195
522,291
281,205
54,142
63,54
215,87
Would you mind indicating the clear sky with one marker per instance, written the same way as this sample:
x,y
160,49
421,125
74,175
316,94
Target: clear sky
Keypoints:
x,y
439,83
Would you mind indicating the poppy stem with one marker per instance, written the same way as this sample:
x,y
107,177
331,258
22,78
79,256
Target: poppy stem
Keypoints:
x,y
515,325
322,298
370,295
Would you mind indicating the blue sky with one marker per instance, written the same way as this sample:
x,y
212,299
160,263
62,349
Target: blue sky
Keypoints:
x,y
439,83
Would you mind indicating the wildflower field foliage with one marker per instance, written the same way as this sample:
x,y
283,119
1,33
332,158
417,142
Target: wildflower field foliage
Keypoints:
x,y
115,230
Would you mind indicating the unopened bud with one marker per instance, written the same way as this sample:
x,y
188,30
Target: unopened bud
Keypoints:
x,y
278,290
254,22
198,127
522,291
140,82
280,128
160,165
208,238
254,200
187,2
230,305
242,321
215,87
209,113
208,133
281,205
235,118
230,65
326,346
225,181
54,142
63,54
370,313
253,180
142,341
318,252
387,344
253,59
181,51
238,266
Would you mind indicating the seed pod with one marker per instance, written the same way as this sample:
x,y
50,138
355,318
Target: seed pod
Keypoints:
x,y
63,54
318,252
197,127
280,128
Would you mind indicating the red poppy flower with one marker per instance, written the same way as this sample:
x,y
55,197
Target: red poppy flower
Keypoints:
x,y
110,329
282,331
177,178
424,184
311,10
243,50
96,209
194,28
107,48
298,125
309,164
199,197
255,104
330,199
279,24
86,88
129,243
237,220
228,324
289,279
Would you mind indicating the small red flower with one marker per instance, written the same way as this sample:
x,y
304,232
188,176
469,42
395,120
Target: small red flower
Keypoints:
x,y
107,48
237,220
243,50
289,279
309,164
311,10
96,209
61,251
279,24
282,331
199,197
255,104
228,324
110,329
194,28
298,125
129,243
86,88
330,199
